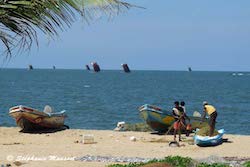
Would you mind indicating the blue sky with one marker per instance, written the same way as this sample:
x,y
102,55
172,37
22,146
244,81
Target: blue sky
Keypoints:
x,y
207,35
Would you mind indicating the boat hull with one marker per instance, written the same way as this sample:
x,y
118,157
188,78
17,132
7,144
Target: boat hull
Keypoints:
x,y
157,119
205,141
160,120
30,119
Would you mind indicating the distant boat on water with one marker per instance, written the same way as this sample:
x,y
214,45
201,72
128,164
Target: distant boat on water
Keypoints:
x,y
190,69
96,67
126,68
87,67
31,67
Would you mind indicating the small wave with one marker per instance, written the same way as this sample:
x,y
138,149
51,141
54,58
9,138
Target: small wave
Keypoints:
x,y
86,86
238,74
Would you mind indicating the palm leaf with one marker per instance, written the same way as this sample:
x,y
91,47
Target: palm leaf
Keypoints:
x,y
20,19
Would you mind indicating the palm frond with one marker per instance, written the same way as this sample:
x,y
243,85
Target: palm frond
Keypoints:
x,y
20,19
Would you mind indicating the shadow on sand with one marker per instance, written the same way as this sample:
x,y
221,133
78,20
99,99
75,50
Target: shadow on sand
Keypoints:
x,y
40,131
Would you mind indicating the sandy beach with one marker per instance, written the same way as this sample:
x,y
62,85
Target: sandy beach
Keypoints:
x,y
60,148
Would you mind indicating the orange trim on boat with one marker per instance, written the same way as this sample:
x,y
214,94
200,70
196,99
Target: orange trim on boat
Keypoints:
x,y
38,120
29,109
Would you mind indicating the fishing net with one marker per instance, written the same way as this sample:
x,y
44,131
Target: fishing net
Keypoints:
x,y
205,130
199,125
140,127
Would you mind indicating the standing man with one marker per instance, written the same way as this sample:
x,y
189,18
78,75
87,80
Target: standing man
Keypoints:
x,y
178,115
184,110
211,111
183,106
185,117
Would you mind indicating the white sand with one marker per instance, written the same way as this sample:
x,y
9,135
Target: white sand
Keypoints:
x,y
14,145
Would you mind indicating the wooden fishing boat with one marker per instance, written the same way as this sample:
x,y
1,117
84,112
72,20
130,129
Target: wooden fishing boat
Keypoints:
x,y
30,119
161,120
205,141
158,119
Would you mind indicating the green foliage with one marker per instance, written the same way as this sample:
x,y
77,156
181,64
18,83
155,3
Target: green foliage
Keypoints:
x,y
212,165
21,19
246,164
127,165
175,161
178,161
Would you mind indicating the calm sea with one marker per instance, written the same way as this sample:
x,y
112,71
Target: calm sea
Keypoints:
x,y
100,100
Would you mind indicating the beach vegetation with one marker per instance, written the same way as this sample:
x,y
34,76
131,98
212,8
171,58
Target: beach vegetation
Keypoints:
x,y
171,161
246,164
20,21
212,165
166,162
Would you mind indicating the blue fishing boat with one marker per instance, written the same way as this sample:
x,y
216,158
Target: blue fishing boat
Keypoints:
x,y
205,141
158,119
